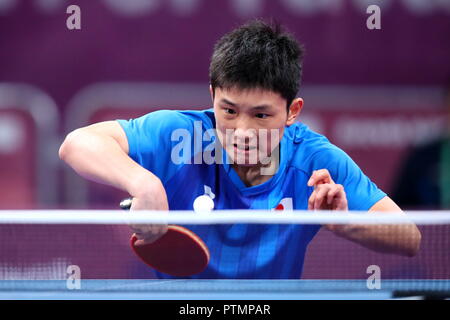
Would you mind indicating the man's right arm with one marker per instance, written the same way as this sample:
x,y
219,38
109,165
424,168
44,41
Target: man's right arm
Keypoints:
x,y
99,153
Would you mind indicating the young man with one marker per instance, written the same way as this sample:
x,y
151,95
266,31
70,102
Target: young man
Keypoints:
x,y
277,163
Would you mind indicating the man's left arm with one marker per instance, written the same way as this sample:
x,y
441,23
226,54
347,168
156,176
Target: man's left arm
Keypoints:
x,y
403,239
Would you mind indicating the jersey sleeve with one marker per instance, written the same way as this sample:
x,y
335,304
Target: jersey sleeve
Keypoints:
x,y
151,140
361,192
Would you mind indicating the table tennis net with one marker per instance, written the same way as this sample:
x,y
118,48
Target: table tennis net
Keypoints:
x,y
52,245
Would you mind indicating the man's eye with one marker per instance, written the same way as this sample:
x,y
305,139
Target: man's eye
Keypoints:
x,y
229,111
262,115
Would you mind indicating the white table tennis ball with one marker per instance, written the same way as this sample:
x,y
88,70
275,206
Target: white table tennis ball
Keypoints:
x,y
203,203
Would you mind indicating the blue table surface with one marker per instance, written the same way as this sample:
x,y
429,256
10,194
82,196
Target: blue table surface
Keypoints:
x,y
212,289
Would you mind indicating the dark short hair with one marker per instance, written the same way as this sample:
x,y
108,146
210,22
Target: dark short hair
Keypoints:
x,y
258,55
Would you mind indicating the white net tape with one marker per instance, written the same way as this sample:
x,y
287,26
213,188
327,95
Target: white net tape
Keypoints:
x,y
221,217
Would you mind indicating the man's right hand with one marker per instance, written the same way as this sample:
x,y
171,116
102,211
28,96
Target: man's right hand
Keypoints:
x,y
153,197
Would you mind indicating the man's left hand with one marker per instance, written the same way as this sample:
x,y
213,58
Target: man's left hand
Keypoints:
x,y
327,195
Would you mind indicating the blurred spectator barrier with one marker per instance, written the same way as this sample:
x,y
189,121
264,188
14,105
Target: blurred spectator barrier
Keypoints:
x,y
28,147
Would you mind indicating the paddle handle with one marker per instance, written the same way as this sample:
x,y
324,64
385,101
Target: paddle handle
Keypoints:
x,y
125,204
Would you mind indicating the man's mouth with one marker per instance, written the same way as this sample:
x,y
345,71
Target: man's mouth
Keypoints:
x,y
243,147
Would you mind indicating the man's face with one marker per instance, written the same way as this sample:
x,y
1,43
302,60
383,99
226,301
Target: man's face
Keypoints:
x,y
250,123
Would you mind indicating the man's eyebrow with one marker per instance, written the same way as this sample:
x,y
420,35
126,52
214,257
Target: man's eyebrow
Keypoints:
x,y
228,102
261,107
256,108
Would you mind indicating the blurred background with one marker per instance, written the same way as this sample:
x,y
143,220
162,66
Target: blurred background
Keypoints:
x,y
374,93
380,95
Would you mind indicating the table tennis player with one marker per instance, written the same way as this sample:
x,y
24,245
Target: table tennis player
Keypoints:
x,y
255,74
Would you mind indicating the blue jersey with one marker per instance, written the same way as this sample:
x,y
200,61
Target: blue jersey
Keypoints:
x,y
243,251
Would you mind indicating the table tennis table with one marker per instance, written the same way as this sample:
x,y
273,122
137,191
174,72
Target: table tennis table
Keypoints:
x,y
219,289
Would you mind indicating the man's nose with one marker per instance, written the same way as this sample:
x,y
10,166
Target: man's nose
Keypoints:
x,y
245,135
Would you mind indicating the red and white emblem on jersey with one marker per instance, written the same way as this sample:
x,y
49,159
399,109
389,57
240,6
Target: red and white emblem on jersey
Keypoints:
x,y
285,204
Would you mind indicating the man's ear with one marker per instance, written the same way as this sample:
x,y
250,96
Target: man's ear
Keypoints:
x,y
294,110
212,93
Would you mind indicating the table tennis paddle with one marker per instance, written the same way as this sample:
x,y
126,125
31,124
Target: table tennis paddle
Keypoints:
x,y
179,252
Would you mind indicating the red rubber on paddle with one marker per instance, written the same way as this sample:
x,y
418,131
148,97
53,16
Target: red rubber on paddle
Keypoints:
x,y
179,252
